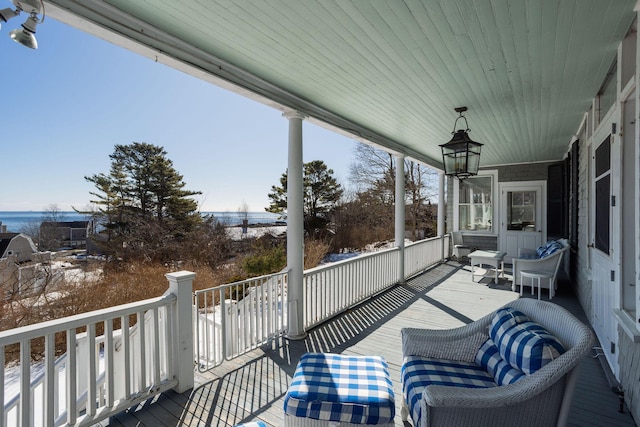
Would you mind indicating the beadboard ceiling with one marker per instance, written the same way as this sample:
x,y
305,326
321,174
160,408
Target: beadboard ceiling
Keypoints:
x,y
389,71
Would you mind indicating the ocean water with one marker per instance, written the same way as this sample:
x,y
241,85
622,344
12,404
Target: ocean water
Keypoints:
x,y
17,220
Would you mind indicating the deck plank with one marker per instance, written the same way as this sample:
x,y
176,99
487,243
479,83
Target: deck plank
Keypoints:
x,y
252,386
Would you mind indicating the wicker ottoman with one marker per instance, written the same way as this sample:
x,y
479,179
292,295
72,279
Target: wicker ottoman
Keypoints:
x,y
336,390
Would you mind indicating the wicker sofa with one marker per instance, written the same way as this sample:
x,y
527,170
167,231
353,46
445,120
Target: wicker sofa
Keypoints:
x,y
538,396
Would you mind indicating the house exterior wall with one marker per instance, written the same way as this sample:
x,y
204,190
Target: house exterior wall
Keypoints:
x,y
582,280
21,247
627,347
508,173
523,172
65,234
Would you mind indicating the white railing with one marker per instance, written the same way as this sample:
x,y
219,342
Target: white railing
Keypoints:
x,y
110,365
233,319
423,254
236,318
98,376
331,289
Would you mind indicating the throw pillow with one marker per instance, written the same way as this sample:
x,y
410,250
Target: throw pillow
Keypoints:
x,y
528,347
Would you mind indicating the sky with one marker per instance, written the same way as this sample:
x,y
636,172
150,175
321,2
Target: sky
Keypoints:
x,y
64,106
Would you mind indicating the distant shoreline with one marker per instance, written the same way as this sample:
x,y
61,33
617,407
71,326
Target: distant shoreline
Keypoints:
x,y
17,220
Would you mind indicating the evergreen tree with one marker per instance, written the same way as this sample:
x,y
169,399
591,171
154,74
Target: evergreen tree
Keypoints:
x,y
321,195
142,202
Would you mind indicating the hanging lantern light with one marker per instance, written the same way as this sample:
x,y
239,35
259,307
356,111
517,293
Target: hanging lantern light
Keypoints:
x,y
461,155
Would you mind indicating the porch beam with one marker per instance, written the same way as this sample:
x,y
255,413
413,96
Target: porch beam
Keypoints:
x,y
400,214
295,228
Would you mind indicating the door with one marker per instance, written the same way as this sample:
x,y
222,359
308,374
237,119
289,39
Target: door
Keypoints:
x,y
523,216
605,294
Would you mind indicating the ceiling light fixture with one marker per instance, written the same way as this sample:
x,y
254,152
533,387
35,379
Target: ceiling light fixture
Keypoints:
x,y
461,155
6,14
25,35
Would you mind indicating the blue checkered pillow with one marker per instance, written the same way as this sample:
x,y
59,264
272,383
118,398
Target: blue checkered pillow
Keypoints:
x,y
551,248
489,359
504,319
528,347
333,387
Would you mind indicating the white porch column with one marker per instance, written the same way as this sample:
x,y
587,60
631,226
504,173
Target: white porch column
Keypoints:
x,y
295,228
180,284
441,211
400,211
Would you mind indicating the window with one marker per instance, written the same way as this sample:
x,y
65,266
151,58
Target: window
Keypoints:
x,y
475,207
521,210
603,196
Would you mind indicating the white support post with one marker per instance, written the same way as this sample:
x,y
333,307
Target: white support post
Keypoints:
x,y
181,285
441,211
295,229
400,214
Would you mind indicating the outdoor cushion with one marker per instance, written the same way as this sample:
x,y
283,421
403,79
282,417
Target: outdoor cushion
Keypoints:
x,y
528,347
548,248
489,359
419,372
333,387
504,319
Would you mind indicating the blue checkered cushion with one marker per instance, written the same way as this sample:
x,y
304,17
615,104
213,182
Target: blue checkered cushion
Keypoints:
x,y
528,347
489,359
419,372
504,319
548,248
332,387
552,247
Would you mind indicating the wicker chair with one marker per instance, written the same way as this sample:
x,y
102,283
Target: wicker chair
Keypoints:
x,y
552,264
540,399
460,250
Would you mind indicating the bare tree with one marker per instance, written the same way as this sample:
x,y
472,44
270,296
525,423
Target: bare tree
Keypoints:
x,y
374,172
49,237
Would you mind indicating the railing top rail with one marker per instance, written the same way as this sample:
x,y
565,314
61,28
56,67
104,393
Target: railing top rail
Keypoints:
x,y
16,335
357,259
417,242
242,282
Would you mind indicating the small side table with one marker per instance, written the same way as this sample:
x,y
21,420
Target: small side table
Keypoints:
x,y
493,258
537,275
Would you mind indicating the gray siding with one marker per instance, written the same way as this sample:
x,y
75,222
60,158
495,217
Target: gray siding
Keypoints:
x,y
523,172
582,280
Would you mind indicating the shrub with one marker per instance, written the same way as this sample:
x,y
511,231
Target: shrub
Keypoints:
x,y
265,261
315,250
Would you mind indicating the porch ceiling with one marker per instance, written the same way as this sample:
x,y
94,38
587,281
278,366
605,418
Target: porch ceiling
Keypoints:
x,y
390,71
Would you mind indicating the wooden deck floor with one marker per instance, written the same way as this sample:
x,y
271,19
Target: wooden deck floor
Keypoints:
x,y
252,387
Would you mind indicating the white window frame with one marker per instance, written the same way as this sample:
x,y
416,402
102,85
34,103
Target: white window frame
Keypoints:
x,y
495,204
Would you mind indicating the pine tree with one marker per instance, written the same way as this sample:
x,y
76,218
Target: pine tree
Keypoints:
x,y
321,195
142,201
